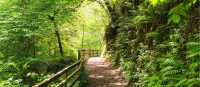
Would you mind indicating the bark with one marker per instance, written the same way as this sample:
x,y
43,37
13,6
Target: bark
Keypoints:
x,y
57,33
58,38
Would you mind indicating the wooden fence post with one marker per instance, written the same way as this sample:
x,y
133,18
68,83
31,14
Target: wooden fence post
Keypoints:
x,y
66,75
79,54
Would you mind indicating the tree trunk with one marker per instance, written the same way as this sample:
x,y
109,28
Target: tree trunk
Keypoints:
x,y
58,38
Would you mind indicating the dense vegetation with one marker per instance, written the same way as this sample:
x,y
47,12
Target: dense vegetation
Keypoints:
x,y
40,37
156,42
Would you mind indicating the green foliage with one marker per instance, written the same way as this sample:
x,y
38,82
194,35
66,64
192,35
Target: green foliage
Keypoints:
x,y
28,39
12,83
90,25
160,45
156,41
152,34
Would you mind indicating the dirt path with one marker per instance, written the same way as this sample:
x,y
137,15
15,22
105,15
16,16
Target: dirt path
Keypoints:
x,y
101,74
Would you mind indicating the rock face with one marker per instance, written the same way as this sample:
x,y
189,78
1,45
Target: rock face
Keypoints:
x,y
38,67
55,67
45,67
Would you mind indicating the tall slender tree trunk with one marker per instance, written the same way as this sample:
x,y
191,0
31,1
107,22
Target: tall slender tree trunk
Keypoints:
x,y
58,38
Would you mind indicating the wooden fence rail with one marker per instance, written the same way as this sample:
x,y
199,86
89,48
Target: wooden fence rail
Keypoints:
x,y
89,53
46,82
76,67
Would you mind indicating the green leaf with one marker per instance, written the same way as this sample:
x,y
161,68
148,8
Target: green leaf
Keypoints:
x,y
152,34
181,82
191,55
174,19
140,19
167,69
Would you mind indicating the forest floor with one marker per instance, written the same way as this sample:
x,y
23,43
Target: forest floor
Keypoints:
x,y
102,74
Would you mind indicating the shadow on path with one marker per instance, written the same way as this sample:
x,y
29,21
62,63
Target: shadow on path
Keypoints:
x,y
102,74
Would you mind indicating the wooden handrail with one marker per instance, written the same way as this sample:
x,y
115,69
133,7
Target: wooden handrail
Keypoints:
x,y
64,71
70,76
90,52
57,75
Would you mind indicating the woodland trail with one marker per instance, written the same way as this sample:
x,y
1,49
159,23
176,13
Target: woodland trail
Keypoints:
x,y
102,74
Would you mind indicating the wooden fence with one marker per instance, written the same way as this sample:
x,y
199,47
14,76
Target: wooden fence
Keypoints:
x,y
65,73
86,53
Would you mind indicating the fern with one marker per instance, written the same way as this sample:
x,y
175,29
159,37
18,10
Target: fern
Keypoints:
x,y
152,34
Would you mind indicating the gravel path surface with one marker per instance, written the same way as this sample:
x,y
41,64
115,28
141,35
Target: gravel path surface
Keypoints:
x,y
102,74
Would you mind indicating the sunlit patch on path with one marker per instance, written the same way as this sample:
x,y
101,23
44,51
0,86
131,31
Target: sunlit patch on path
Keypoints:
x,y
102,74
